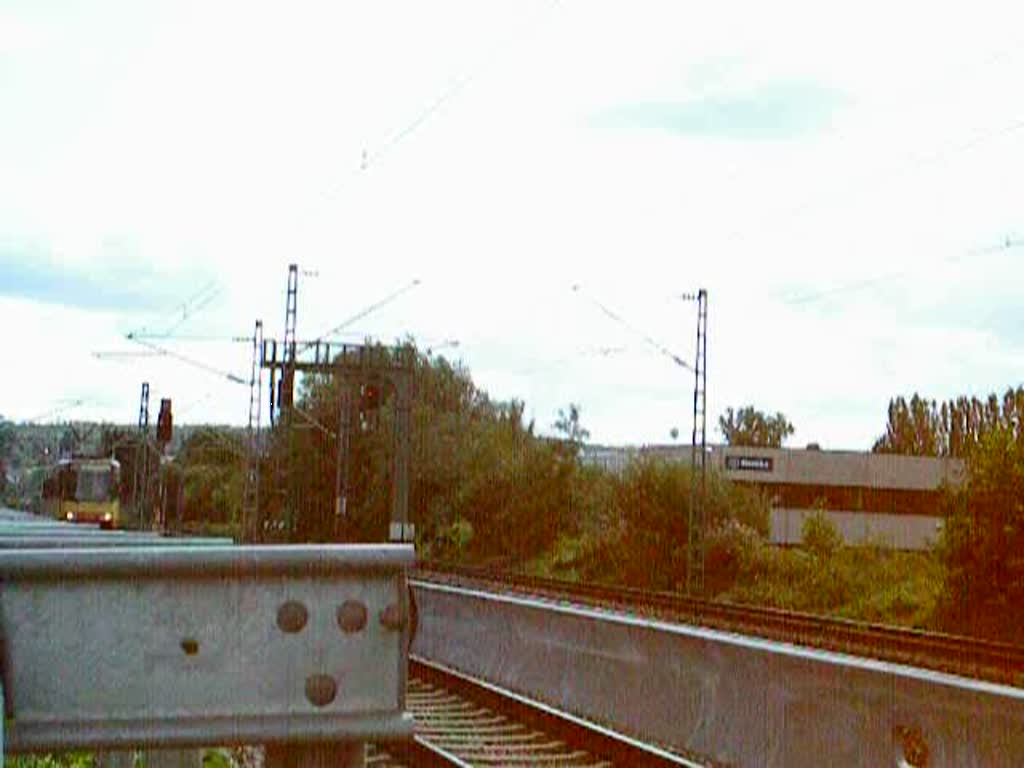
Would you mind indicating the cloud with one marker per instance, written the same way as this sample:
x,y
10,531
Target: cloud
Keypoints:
x,y
773,112
119,280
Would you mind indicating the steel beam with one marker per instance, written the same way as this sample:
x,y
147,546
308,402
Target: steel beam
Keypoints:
x,y
84,541
184,646
740,700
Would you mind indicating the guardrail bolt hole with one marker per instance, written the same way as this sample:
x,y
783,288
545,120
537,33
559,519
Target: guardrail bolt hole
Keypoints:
x,y
913,747
352,616
292,617
393,617
190,646
321,689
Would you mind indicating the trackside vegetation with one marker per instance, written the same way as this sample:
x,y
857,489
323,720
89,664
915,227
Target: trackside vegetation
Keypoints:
x,y
487,487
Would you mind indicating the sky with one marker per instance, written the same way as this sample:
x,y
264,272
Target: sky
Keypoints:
x,y
843,181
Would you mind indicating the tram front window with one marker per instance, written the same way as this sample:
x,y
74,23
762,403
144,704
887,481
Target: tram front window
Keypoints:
x,y
93,485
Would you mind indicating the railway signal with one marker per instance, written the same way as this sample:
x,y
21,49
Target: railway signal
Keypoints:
x,y
164,422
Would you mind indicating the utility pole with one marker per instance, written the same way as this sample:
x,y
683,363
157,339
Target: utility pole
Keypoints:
x,y
284,386
698,444
142,457
286,399
282,394
698,455
291,307
344,447
251,491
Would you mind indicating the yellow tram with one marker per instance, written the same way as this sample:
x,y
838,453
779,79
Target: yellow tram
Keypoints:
x,y
84,490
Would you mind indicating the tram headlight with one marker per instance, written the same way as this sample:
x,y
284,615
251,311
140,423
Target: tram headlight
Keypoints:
x,y
70,516
107,517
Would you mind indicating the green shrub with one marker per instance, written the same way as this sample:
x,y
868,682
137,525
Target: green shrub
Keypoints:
x,y
820,535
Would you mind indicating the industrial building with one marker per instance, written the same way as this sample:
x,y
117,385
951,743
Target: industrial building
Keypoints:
x,y
879,498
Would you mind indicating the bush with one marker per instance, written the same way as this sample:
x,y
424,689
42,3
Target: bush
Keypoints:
x,y
982,542
642,540
732,548
820,535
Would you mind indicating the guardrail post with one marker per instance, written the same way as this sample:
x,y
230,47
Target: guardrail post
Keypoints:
x,y
329,755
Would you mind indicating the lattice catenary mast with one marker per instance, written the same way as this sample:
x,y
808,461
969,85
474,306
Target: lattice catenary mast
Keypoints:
x,y
251,492
141,475
698,454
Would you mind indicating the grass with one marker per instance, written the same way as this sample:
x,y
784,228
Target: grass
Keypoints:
x,y
560,562
862,583
871,583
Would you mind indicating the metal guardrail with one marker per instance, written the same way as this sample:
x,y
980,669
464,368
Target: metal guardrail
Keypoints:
x,y
964,655
739,700
119,640
73,541
48,534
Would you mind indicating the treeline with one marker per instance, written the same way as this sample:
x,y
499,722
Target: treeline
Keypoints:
x,y
486,486
922,427
28,450
982,545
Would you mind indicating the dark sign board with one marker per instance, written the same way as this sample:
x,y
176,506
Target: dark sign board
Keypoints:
x,y
749,463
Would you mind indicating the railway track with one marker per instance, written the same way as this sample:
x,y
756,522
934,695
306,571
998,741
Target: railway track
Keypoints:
x,y
960,655
465,722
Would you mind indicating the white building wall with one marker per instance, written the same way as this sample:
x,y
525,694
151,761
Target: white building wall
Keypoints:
x,y
912,532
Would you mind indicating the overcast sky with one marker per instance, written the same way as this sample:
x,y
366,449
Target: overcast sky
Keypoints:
x,y
844,181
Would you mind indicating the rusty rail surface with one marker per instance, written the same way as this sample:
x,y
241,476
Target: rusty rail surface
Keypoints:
x,y
955,654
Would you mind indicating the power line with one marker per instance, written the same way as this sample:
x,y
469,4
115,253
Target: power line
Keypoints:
x,y
912,162
446,95
59,409
649,340
210,338
183,409
888,277
107,354
189,361
196,305
370,157
359,315
879,174
583,353
191,306
313,422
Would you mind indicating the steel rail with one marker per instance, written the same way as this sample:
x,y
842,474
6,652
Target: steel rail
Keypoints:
x,y
462,722
957,654
604,744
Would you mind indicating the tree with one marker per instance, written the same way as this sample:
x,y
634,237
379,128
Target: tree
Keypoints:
x,y
210,466
6,450
482,484
644,534
922,427
568,424
749,426
982,544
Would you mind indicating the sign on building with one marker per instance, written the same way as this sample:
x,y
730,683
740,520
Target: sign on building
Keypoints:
x,y
749,463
